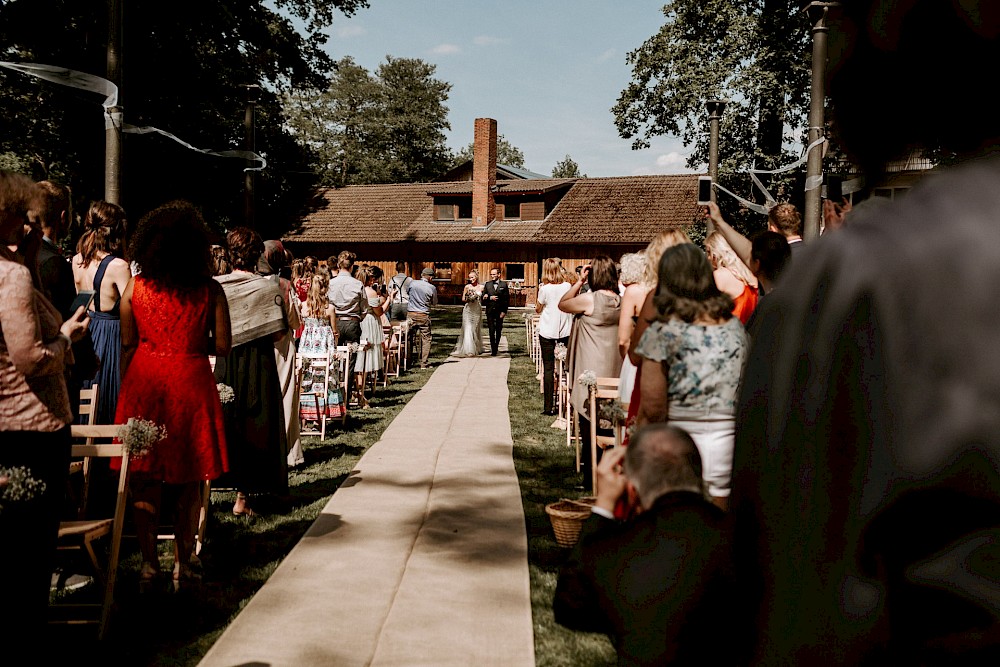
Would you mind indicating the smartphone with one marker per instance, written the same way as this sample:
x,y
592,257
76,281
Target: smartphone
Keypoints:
x,y
835,189
704,190
84,298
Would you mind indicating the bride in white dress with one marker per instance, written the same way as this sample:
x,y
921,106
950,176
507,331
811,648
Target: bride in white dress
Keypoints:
x,y
470,340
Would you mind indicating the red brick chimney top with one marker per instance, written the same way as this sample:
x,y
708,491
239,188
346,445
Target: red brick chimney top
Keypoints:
x,y
484,172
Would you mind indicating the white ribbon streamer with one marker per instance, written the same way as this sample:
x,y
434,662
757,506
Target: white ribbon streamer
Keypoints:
x,y
96,84
246,155
812,182
756,208
71,78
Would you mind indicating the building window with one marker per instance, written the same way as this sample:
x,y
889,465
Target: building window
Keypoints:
x,y
444,212
465,209
442,270
514,272
511,210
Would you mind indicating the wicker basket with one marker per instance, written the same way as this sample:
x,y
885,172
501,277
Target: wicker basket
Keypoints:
x,y
567,517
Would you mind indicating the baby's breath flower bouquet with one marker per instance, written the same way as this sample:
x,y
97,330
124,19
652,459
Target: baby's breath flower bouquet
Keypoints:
x,y
587,378
560,351
140,436
226,393
18,486
613,411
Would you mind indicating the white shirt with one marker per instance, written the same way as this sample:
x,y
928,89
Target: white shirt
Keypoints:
x,y
553,323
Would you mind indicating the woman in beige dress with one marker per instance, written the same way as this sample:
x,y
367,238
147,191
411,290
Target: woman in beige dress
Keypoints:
x,y
593,342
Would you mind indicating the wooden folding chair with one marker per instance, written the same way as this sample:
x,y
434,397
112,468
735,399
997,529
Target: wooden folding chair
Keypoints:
x,y
391,353
604,389
404,343
80,535
313,371
88,404
88,413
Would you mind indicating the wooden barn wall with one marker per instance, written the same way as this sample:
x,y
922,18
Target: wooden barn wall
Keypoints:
x,y
466,256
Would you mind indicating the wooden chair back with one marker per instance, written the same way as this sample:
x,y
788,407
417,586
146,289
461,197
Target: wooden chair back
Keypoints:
x,y
605,389
313,371
81,535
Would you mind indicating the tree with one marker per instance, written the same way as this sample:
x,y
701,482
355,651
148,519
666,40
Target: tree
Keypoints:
x,y
386,127
567,168
183,75
507,154
755,55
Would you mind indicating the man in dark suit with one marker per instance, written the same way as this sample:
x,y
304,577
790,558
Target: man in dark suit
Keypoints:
x,y
659,585
52,212
496,298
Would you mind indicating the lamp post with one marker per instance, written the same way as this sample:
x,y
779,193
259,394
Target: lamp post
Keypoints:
x,y
113,118
253,95
814,165
715,109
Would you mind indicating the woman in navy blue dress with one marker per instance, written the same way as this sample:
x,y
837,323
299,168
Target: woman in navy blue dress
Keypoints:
x,y
97,266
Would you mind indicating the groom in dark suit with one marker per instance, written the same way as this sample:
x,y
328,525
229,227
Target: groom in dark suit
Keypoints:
x,y
496,298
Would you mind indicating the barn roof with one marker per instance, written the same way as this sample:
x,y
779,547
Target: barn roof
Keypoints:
x,y
624,209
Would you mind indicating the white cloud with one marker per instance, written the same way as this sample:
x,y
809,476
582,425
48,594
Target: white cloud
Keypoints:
x,y
349,31
671,159
446,49
488,40
607,55
666,163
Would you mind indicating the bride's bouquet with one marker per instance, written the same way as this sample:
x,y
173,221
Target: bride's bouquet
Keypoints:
x,y
472,294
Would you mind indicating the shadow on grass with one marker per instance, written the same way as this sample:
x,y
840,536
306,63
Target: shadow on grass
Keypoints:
x,y
546,472
240,554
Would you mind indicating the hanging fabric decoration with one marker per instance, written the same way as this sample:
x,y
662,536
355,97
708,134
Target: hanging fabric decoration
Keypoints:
x,y
812,182
113,118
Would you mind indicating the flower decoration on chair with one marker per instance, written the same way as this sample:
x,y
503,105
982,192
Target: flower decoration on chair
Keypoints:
x,y
613,411
588,378
140,436
560,351
18,486
354,347
226,393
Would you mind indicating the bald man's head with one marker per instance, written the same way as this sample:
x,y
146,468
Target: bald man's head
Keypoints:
x,y
661,459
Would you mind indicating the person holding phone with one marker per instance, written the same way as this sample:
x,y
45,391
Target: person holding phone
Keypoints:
x,y
593,341
35,410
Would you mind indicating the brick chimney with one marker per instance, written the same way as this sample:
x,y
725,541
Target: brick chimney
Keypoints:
x,y
484,172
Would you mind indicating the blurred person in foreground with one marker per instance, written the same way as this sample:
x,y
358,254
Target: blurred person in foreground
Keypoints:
x,y
173,316
34,419
660,585
866,479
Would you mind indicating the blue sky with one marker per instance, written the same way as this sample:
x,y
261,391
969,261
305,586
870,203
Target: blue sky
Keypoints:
x,y
548,71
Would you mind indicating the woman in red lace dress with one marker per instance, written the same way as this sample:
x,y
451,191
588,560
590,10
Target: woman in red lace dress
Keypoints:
x,y
173,315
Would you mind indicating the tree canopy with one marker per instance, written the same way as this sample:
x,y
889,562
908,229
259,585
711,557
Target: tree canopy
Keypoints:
x,y
184,70
567,168
507,153
381,127
755,55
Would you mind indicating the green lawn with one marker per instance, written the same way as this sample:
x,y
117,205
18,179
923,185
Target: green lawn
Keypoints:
x,y
240,553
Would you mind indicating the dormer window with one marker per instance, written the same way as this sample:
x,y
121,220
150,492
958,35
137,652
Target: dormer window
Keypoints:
x,y
444,212
511,210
